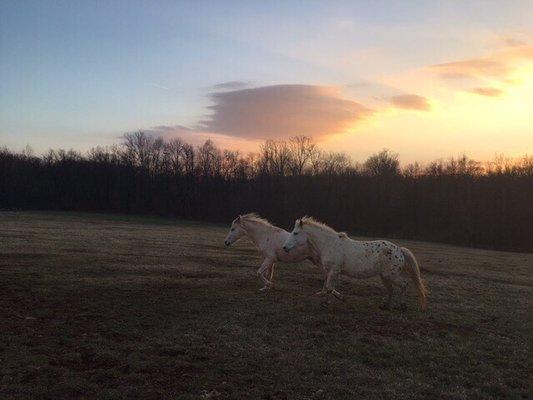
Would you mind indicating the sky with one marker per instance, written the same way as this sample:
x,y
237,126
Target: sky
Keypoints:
x,y
425,79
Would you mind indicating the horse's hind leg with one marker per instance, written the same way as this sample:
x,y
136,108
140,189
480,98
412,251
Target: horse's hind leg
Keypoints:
x,y
403,293
388,285
401,282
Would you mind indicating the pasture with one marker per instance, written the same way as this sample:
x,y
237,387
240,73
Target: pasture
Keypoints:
x,y
112,307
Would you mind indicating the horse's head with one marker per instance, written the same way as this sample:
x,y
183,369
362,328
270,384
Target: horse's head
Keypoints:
x,y
236,232
298,237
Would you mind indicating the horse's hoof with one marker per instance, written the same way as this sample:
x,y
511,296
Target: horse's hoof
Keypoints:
x,y
324,304
320,293
340,297
263,289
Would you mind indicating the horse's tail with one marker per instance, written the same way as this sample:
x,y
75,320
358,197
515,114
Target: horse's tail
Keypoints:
x,y
414,272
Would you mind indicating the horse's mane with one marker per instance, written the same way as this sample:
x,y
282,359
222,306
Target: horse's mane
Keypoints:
x,y
311,221
254,217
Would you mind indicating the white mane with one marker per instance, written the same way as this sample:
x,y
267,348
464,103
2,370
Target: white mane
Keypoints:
x,y
317,224
253,217
320,225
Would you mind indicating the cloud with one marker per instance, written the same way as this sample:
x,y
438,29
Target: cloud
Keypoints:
x,y
169,130
410,102
487,91
512,41
498,65
158,86
198,137
515,38
473,68
231,85
282,110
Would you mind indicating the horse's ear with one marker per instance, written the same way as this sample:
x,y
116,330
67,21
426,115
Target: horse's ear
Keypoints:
x,y
300,223
238,219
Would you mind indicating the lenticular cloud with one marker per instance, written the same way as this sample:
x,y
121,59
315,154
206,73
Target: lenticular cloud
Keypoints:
x,y
282,110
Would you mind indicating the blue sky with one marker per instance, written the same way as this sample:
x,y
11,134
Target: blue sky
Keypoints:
x,y
79,74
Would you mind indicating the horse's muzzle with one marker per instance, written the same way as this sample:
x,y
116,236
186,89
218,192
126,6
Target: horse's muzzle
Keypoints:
x,y
286,249
227,243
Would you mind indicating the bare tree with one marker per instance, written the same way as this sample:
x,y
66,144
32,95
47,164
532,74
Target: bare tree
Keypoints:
x,y
526,166
173,156
209,159
412,170
276,157
335,163
189,159
136,147
156,152
302,149
462,166
435,168
230,164
383,163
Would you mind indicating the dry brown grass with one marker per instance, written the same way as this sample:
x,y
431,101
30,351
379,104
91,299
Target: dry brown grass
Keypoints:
x,y
109,307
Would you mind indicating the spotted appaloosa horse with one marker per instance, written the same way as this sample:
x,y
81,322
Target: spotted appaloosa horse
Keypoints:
x,y
339,254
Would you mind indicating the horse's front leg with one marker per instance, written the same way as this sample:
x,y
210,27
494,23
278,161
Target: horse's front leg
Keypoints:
x,y
272,273
331,279
338,295
323,291
334,281
266,266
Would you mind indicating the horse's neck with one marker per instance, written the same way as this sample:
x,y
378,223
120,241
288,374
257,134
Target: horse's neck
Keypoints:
x,y
257,232
320,240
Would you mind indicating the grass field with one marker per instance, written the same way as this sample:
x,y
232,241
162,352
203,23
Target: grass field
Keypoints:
x,y
112,307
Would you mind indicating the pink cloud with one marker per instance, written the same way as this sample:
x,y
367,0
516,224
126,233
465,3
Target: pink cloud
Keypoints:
x,y
495,66
472,68
231,85
410,102
198,137
282,110
487,91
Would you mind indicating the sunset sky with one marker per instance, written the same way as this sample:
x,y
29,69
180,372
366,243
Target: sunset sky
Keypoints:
x,y
425,79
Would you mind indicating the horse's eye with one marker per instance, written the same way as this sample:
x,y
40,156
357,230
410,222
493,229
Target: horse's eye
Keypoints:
x,y
232,229
295,233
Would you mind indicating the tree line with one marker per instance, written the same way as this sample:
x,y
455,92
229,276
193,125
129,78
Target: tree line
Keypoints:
x,y
459,200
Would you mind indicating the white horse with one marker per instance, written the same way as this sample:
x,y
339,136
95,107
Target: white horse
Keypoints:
x,y
269,241
359,259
